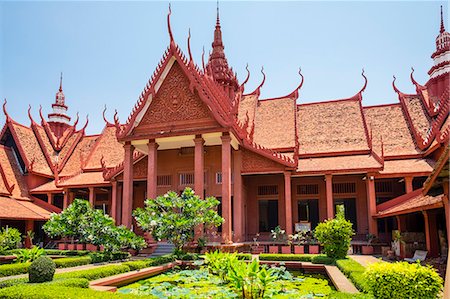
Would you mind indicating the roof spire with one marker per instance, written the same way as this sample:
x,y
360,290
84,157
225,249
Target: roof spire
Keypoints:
x,y
218,16
60,82
442,21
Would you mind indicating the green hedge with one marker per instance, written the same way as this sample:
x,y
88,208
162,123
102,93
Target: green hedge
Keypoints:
x,y
286,257
403,280
71,282
72,261
354,271
67,252
14,269
244,256
322,259
46,291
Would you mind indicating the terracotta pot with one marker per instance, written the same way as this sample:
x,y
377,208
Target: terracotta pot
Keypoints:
x,y
299,249
314,249
367,249
286,249
62,246
132,252
257,249
273,249
71,246
80,246
91,247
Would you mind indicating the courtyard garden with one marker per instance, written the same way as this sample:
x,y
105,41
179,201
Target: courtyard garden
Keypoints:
x,y
111,272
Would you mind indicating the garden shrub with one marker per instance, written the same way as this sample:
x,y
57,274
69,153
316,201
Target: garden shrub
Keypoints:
x,y
70,282
99,257
67,252
10,238
48,291
163,259
72,261
322,259
29,255
136,265
335,236
95,273
244,256
354,271
286,257
41,270
14,269
403,280
187,256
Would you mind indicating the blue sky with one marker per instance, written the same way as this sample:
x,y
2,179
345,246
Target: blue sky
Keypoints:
x,y
108,50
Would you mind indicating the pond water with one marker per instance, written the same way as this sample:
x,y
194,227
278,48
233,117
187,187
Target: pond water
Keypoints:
x,y
200,283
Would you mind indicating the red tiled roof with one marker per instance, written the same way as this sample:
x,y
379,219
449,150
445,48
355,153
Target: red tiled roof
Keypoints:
x,y
275,123
416,202
356,163
20,209
32,150
336,126
247,106
407,166
108,147
84,179
388,122
418,114
78,156
47,187
12,173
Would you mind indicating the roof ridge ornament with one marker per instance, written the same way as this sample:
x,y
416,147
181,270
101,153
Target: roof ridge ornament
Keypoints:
x,y
172,41
203,59
191,60
76,122
395,87
60,82
8,118
365,82
246,79
104,118
413,80
29,114
258,89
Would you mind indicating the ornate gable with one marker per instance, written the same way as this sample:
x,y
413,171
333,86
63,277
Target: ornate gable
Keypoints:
x,y
176,106
253,163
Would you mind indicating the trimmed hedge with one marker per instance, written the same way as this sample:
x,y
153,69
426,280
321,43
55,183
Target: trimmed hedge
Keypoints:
x,y
41,270
244,256
98,257
322,259
354,271
70,282
403,280
67,262
286,257
14,269
67,252
46,291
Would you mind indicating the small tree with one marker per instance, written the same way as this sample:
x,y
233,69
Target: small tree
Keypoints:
x,y
175,217
335,236
92,226
10,238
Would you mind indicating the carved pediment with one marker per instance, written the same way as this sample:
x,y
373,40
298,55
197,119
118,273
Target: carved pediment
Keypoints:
x,y
252,162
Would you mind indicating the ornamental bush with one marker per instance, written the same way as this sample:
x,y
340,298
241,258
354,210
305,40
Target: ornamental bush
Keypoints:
x,y
335,236
403,280
10,238
41,270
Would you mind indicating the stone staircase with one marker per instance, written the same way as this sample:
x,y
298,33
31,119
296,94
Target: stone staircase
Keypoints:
x,y
163,248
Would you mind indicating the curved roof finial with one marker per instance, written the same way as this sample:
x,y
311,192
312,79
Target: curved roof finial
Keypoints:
x,y
87,121
303,78
395,87
412,78
6,112
76,121
29,114
40,114
168,25
203,59
104,117
189,46
248,76
365,81
442,22
60,82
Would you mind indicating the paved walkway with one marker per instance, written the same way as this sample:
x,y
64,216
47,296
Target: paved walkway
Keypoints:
x,y
365,260
340,281
60,270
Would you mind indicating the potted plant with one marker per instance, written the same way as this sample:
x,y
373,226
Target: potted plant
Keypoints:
x,y
278,235
91,247
81,246
298,241
313,244
397,242
368,248
255,247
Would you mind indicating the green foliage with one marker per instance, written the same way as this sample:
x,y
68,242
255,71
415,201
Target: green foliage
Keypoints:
x,y
220,263
322,259
278,234
70,282
354,271
244,256
29,255
403,280
67,252
79,220
10,238
41,270
98,257
340,295
174,217
14,269
286,257
72,261
49,291
335,236
187,256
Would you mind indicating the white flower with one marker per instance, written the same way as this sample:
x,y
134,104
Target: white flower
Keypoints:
x,y
153,223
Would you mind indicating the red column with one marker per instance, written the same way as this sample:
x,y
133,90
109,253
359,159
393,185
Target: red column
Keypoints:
x,y
127,198
66,198
113,211
330,205
50,198
29,226
152,168
199,166
427,230
119,203
238,213
288,202
92,196
408,184
226,189
371,204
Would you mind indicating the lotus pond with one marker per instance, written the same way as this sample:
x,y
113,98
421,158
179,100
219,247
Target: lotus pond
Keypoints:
x,y
201,283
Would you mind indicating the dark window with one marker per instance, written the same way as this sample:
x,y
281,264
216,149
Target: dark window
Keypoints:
x,y
308,189
308,211
268,190
340,188
268,215
349,207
